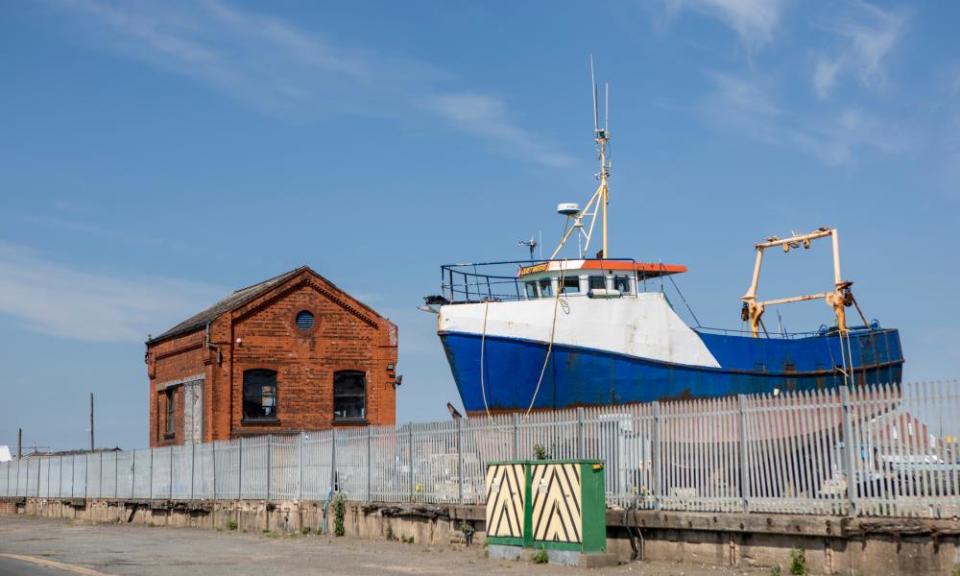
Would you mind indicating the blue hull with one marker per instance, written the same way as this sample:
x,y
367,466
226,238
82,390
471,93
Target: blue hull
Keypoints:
x,y
583,377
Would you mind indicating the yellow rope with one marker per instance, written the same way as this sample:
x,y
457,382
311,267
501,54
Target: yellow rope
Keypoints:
x,y
483,347
553,330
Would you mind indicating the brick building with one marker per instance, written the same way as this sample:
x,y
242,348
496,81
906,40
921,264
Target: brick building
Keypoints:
x,y
291,353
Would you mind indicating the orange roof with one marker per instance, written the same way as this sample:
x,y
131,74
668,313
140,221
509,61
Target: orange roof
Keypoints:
x,y
646,269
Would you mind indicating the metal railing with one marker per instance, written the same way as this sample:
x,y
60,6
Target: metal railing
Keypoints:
x,y
497,281
872,450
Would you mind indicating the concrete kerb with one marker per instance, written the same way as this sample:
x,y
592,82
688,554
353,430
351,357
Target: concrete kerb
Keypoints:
x,y
831,545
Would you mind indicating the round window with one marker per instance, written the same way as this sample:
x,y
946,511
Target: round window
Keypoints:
x,y
304,320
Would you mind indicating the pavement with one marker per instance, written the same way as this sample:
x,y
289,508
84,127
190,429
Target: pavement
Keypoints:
x,y
44,547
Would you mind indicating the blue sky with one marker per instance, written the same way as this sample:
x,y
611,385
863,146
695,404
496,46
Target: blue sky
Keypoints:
x,y
155,156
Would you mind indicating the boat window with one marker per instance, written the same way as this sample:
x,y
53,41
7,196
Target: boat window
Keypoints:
x,y
597,283
622,283
531,288
571,285
546,288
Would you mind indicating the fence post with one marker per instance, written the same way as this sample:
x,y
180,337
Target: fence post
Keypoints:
x,y
48,476
333,461
657,464
150,473
240,469
516,436
300,439
269,450
410,457
744,473
580,435
193,466
116,475
73,474
848,454
133,474
170,452
59,480
459,460
213,459
100,481
369,465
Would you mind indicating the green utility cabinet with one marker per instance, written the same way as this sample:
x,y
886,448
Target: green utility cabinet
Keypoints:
x,y
553,504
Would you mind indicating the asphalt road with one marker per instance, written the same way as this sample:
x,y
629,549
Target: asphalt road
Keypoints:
x,y
120,550
10,567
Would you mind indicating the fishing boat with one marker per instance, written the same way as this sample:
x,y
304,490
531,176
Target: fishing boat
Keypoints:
x,y
562,332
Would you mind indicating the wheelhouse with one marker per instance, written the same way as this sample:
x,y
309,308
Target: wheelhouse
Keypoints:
x,y
592,278
532,280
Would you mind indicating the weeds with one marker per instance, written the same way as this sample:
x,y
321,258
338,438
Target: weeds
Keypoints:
x,y
540,452
776,570
798,563
339,512
541,557
232,525
306,530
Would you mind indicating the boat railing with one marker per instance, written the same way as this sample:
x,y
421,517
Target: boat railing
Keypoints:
x,y
823,331
492,281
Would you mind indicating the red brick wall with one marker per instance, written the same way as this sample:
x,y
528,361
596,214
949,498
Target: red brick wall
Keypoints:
x,y
346,336
167,361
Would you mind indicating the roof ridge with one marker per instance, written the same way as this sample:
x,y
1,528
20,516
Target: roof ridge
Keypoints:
x,y
232,301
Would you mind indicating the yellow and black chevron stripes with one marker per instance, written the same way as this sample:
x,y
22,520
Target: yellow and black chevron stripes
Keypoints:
x,y
557,515
506,497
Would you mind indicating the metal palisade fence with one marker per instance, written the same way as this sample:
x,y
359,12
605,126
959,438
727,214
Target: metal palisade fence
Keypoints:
x,y
869,450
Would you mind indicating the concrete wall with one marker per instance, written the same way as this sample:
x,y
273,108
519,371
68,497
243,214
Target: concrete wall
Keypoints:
x,y
862,547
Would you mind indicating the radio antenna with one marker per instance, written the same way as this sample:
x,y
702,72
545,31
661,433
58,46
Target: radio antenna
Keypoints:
x,y
597,204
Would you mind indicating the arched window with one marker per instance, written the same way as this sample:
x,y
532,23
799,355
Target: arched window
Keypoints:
x,y
260,395
349,395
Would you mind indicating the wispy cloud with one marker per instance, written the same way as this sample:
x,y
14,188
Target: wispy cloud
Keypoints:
x,y
865,35
745,106
53,299
485,116
285,71
754,21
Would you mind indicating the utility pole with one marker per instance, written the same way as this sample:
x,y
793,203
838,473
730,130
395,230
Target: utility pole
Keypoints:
x,y
91,422
19,443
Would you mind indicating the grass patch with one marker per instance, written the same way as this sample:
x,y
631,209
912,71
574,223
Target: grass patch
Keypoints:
x,y
541,557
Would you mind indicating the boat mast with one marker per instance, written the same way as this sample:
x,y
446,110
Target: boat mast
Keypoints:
x,y
601,140
597,205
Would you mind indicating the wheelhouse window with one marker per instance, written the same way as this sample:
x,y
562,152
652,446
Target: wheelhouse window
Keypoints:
x,y
349,396
622,284
571,285
531,289
260,395
546,288
171,412
597,283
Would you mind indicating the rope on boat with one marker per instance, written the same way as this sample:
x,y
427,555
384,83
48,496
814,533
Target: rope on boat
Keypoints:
x,y
553,331
483,347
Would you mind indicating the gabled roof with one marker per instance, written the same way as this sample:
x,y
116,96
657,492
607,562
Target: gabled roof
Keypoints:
x,y
228,304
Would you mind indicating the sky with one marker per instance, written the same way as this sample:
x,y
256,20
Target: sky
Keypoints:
x,y
156,156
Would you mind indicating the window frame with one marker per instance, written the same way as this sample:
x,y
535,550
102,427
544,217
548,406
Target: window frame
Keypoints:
x,y
170,413
362,419
260,419
293,321
574,282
